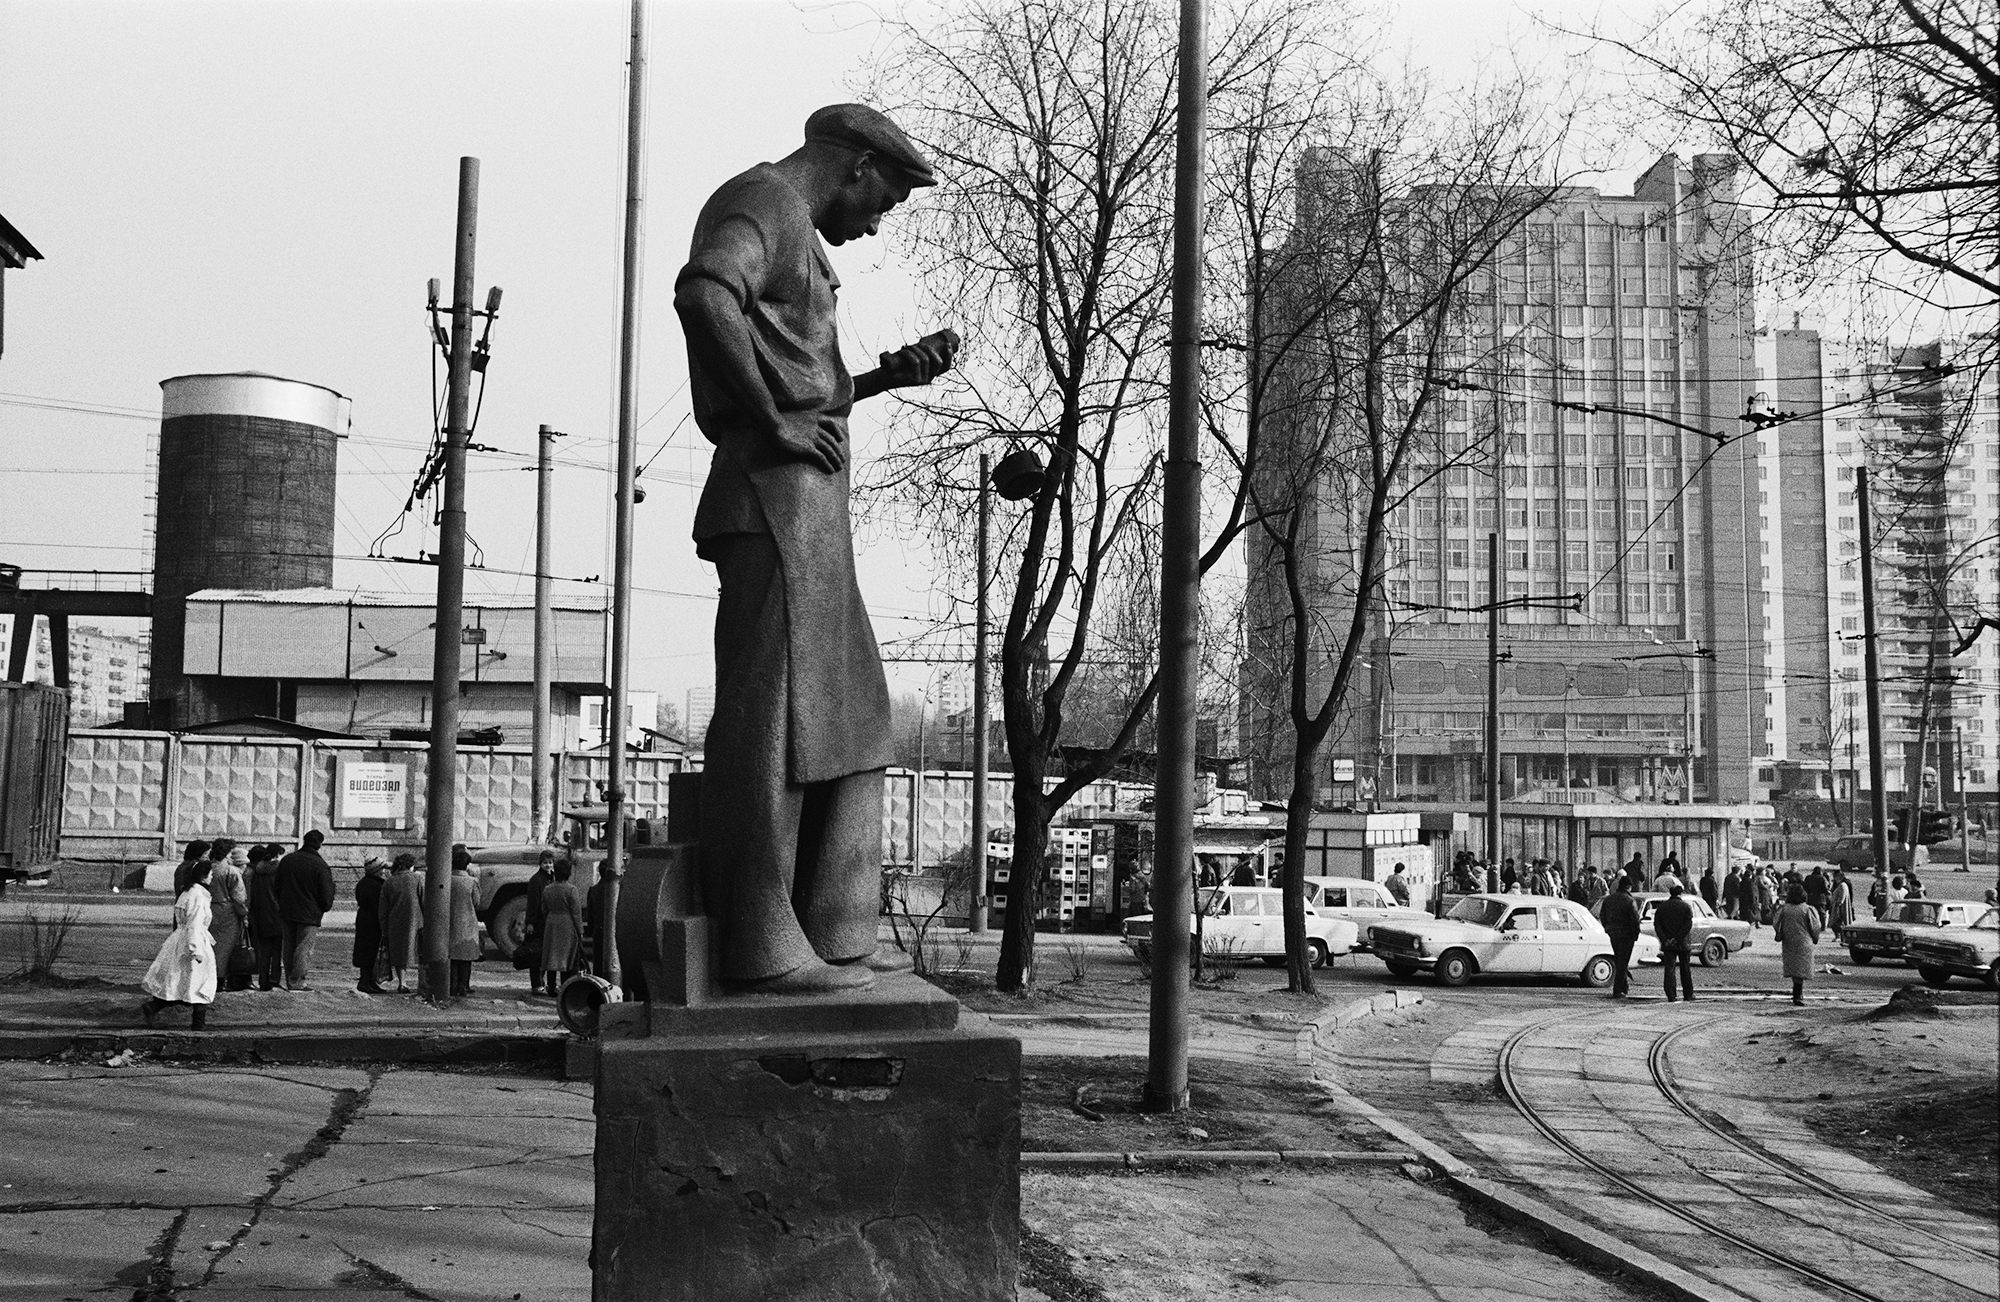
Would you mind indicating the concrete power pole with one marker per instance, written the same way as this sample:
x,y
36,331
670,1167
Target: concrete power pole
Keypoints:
x,y
628,450
1492,711
1878,796
441,796
541,778
981,760
1180,596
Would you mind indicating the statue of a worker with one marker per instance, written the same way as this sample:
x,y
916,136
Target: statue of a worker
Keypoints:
x,y
791,816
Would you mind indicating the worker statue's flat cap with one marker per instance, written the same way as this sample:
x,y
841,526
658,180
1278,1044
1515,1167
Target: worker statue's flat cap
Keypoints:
x,y
856,126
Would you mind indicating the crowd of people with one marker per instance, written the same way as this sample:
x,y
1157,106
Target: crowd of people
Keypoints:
x,y
247,918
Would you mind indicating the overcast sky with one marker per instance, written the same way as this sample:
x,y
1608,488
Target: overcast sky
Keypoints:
x,y
268,186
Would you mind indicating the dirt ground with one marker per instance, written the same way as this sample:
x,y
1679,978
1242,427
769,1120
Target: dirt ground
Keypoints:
x,y
1912,1086
1081,1105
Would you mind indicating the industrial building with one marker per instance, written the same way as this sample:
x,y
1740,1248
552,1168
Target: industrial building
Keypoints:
x,y
1925,429
358,664
1642,302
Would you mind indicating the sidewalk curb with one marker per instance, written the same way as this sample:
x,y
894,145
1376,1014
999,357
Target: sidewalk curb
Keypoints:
x,y
1214,1157
1305,1045
383,1044
1511,1203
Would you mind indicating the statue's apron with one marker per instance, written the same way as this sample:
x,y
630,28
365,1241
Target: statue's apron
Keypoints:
x,y
837,697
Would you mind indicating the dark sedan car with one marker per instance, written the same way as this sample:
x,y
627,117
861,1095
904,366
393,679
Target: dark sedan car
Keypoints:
x,y
1712,939
1887,936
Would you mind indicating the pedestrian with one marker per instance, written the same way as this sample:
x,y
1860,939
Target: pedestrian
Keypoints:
x,y
1897,892
267,928
1621,923
464,938
1840,903
1595,886
1913,886
183,972
1819,890
1579,888
1991,897
402,913
1767,896
1635,873
368,923
196,852
1508,876
1732,885
1399,889
305,893
536,917
1710,893
229,920
1671,864
1673,923
562,934
1798,927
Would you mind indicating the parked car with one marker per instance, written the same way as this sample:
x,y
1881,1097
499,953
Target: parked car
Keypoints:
x,y
1249,922
1968,951
1857,850
1889,935
1362,903
504,871
1505,935
1712,939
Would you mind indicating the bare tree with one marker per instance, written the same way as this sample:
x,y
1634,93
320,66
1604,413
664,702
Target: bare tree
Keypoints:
x,y
1370,327
1871,126
1048,242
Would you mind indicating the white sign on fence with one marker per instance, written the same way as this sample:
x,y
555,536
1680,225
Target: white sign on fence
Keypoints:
x,y
371,794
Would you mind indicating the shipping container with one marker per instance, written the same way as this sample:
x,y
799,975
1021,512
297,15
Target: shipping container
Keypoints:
x,y
34,736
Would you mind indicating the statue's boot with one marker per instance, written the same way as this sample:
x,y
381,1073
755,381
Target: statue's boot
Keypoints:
x,y
813,978
883,958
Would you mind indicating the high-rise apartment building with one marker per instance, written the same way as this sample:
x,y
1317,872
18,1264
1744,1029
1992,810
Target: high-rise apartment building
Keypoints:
x,y
106,670
1924,426
1650,691
700,709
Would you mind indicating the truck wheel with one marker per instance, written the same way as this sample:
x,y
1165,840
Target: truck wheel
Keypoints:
x,y
1454,968
507,926
1714,951
1861,957
1402,967
1936,978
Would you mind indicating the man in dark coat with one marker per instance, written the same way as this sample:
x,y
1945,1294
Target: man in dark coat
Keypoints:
x,y
1635,873
305,893
1673,923
791,819
1621,922
368,923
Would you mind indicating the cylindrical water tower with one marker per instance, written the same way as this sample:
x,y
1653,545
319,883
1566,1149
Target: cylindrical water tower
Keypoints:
x,y
246,497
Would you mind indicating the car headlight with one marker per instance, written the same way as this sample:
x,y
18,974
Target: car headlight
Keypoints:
x,y
1420,946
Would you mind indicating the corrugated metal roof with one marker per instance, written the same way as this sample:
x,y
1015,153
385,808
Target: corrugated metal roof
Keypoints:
x,y
359,597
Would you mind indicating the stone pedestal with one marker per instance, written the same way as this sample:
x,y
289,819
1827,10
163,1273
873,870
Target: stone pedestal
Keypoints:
x,y
765,1148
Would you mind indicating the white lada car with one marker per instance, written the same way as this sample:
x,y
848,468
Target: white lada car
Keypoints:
x,y
1248,922
1506,935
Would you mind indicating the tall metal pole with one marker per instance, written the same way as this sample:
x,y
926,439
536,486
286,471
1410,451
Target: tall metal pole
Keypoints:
x,y
1878,795
1492,711
541,775
1180,594
1964,820
441,797
628,449
981,760
1853,774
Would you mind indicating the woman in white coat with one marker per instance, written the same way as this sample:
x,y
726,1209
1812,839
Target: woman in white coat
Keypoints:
x,y
184,970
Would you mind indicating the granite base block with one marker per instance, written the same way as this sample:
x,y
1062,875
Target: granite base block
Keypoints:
x,y
795,1165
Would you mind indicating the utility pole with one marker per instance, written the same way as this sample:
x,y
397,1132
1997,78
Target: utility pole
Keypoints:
x,y
1853,771
1180,595
441,796
1964,819
628,447
541,776
1493,711
1878,796
981,760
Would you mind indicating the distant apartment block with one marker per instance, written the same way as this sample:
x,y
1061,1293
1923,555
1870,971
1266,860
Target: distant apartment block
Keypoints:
x,y
106,670
1927,436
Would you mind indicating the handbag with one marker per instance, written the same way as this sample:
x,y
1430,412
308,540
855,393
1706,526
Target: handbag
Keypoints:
x,y
528,954
243,959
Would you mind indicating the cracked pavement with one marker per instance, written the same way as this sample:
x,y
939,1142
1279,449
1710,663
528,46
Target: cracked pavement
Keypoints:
x,y
159,1182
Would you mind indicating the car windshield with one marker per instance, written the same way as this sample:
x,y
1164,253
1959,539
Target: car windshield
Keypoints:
x,y
1486,913
1913,911
1212,901
1989,920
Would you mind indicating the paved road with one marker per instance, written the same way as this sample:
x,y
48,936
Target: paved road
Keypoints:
x,y
1605,1114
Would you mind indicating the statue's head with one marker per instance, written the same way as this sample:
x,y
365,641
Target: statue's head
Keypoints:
x,y
876,165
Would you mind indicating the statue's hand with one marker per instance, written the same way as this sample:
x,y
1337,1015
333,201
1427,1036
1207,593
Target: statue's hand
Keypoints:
x,y
921,362
814,438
